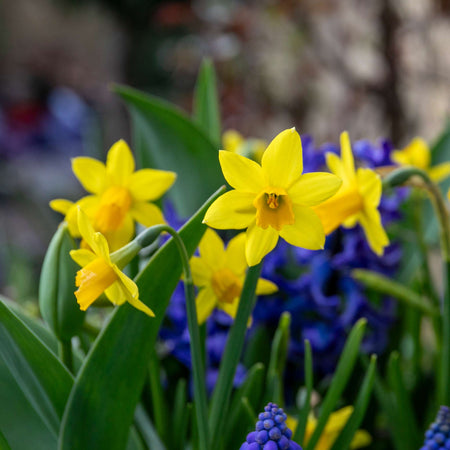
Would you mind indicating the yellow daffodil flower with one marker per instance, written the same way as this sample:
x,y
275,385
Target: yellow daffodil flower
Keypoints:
x,y
233,141
272,199
356,201
220,274
99,273
120,196
330,433
417,154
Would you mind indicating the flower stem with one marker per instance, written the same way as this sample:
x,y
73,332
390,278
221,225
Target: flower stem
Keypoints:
x,y
230,359
65,354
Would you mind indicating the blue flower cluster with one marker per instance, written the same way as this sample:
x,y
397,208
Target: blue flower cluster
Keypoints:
x,y
271,432
438,434
315,287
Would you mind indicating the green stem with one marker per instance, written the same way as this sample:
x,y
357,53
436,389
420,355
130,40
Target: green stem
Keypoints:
x,y
157,395
444,387
230,359
65,354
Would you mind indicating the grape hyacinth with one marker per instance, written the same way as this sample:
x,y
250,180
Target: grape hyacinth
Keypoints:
x,y
438,434
271,432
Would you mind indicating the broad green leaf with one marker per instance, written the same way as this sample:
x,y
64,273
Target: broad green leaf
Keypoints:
x,y
4,443
206,103
45,382
341,376
165,138
346,435
110,381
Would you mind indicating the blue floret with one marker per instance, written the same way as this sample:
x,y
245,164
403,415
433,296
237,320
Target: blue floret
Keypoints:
x,y
437,436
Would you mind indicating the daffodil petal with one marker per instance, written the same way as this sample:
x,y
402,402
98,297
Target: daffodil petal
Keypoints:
x,y
282,161
128,285
265,287
116,294
361,439
314,188
201,272
90,172
377,238
230,308
82,256
211,249
241,173
119,163
259,242
338,419
232,210
150,184
370,187
205,303
347,157
86,230
307,230
147,214
102,248
440,172
118,238
235,254
61,205
141,306
232,140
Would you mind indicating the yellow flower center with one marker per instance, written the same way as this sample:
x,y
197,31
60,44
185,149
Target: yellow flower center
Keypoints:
x,y
114,206
273,208
92,280
226,285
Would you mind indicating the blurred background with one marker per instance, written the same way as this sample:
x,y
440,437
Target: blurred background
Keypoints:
x,y
380,69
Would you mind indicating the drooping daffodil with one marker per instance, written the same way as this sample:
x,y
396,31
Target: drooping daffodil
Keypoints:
x,y
219,273
334,426
272,199
417,154
252,148
99,273
357,199
120,196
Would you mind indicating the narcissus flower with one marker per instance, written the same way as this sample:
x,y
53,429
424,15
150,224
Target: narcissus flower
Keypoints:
x,y
272,199
220,274
417,154
120,196
357,199
334,426
100,274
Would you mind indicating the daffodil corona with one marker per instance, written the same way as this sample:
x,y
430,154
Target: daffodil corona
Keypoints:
x,y
272,199
120,196
99,274
357,199
220,273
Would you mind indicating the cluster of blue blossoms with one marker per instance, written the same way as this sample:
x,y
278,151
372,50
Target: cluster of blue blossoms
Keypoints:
x,y
271,432
315,287
438,434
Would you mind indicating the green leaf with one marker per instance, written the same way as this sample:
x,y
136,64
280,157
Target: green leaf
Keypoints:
x,y
206,103
180,416
3,442
305,408
340,379
45,382
110,381
147,430
346,436
165,138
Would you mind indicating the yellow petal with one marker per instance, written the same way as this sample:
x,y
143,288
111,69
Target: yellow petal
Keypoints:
x,y
138,304
150,184
146,214
259,242
91,173
232,210
62,206
369,186
265,287
377,238
212,250
440,172
87,230
115,294
361,439
338,419
205,303
335,165
230,308
201,272
347,157
118,238
119,163
282,161
82,256
232,140
241,173
101,246
235,255
314,188
307,230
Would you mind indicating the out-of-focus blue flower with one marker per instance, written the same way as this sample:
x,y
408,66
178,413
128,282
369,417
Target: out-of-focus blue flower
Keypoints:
x,y
438,434
271,432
